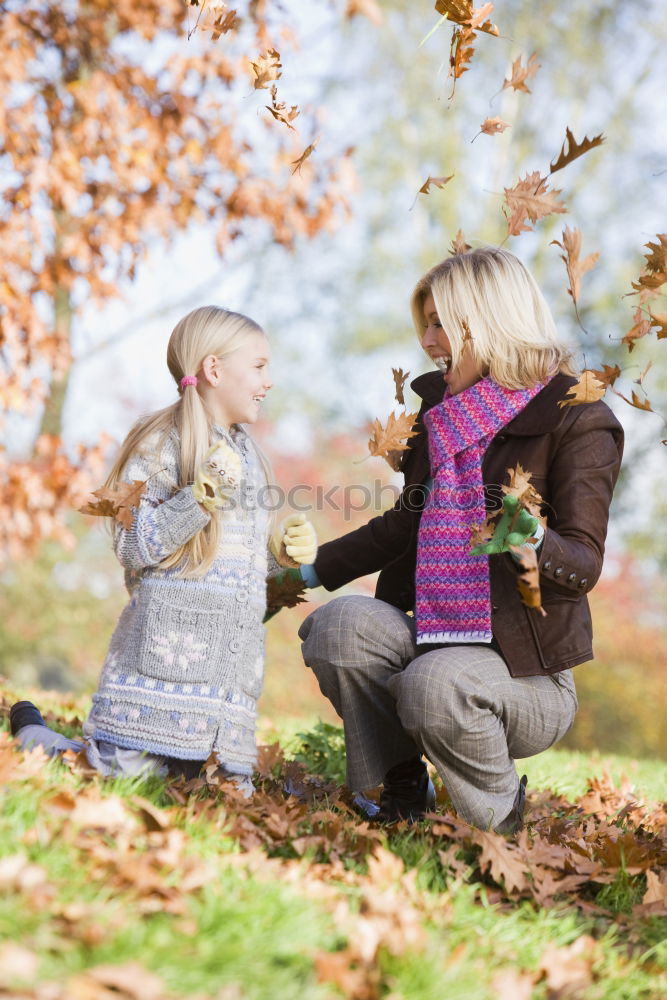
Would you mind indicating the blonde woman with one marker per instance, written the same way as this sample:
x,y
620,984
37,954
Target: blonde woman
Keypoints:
x,y
446,661
186,661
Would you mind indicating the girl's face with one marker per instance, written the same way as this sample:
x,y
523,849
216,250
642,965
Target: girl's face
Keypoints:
x,y
243,381
438,348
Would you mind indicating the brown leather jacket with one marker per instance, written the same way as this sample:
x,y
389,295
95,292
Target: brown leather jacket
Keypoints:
x,y
574,455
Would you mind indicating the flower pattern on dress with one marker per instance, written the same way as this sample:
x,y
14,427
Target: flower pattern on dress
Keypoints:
x,y
177,650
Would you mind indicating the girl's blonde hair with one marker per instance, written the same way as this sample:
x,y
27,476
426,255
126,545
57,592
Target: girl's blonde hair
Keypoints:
x,y
489,298
204,331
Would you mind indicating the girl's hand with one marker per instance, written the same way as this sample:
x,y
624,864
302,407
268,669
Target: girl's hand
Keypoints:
x,y
296,544
217,476
515,527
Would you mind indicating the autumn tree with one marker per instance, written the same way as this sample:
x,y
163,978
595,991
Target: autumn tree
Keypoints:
x,y
121,124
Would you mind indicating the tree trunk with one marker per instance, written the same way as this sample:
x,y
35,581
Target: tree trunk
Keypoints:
x,y
52,417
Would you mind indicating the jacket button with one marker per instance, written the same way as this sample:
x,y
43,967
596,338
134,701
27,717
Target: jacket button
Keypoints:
x,y
547,564
583,582
494,608
500,438
572,577
234,645
558,571
242,596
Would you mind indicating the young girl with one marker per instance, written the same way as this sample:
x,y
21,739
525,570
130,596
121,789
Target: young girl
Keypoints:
x,y
186,661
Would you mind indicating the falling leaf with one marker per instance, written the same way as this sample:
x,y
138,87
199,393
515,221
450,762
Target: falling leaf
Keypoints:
x,y
576,268
116,501
462,12
587,390
639,329
659,320
459,244
637,402
280,111
393,436
520,74
437,181
530,199
224,23
297,164
574,150
492,126
607,374
267,68
656,265
400,378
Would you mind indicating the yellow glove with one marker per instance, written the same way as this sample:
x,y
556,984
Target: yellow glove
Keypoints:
x,y
296,542
217,476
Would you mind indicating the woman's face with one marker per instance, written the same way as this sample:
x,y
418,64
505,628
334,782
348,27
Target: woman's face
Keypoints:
x,y
438,348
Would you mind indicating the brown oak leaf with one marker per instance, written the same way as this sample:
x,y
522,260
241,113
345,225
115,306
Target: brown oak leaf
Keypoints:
x,y
641,326
393,436
459,244
520,486
576,268
492,126
586,390
308,151
267,68
286,594
520,74
462,12
528,580
280,111
637,401
660,321
607,374
505,860
438,182
574,150
530,199
116,501
400,378
656,265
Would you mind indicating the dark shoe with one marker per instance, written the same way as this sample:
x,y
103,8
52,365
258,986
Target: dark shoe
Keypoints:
x,y
514,819
407,793
24,713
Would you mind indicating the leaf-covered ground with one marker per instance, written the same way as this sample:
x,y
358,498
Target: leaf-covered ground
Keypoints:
x,y
130,890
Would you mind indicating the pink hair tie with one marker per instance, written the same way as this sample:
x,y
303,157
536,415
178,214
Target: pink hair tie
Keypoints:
x,y
188,380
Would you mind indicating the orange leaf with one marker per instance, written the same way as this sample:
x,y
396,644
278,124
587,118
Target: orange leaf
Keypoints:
x,y
308,151
462,12
656,265
437,181
117,501
607,374
636,401
530,199
575,268
528,580
400,378
640,328
459,244
659,320
267,68
493,126
520,74
574,150
587,390
393,436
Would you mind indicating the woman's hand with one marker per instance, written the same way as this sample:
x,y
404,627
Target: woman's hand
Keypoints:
x,y
296,543
217,476
515,527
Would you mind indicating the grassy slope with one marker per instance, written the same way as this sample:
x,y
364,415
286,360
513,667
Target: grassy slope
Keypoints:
x,y
178,893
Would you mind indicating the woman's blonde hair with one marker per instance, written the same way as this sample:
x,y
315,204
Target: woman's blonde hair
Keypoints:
x,y
204,331
489,298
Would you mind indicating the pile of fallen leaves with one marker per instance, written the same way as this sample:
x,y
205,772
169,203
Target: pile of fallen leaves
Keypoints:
x,y
302,831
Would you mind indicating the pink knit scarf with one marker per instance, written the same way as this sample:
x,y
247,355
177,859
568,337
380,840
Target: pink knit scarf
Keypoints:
x,y
453,590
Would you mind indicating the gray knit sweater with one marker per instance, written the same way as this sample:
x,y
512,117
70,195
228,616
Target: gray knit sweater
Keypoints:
x,y
186,660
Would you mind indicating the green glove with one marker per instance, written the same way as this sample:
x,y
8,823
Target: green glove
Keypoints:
x,y
515,527
284,590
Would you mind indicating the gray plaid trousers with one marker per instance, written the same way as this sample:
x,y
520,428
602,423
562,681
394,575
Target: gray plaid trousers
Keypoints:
x,y
459,706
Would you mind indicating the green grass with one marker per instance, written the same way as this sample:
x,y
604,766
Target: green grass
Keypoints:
x,y
260,930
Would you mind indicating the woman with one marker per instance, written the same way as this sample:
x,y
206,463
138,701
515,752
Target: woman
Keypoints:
x,y
475,679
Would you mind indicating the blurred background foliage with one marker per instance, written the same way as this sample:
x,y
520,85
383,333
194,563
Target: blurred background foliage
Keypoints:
x,y
336,310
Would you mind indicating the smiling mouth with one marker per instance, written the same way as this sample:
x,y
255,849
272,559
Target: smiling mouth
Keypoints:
x,y
443,362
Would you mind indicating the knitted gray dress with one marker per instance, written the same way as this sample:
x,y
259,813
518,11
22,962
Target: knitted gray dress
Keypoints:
x,y
186,661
